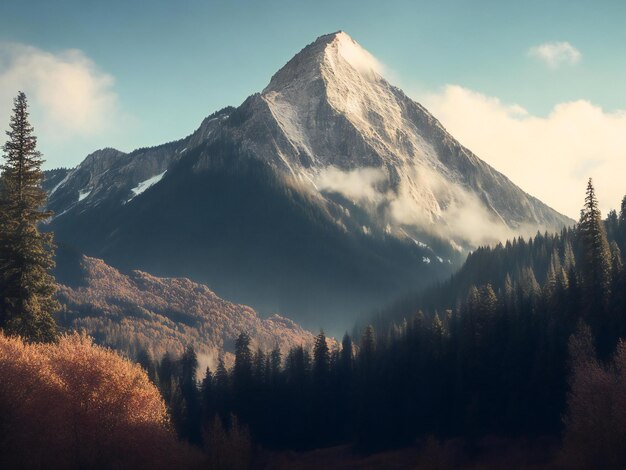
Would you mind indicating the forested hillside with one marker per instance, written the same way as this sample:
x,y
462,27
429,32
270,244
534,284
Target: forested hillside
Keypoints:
x,y
494,363
135,311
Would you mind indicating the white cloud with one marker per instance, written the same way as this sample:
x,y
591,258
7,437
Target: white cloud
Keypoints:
x,y
555,54
358,185
358,57
69,96
549,157
462,216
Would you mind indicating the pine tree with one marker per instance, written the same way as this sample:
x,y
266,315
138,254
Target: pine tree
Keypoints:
x,y
346,354
321,358
242,372
191,408
221,374
554,277
488,301
437,326
259,369
596,266
275,364
569,260
27,286
207,392
530,286
242,377
166,376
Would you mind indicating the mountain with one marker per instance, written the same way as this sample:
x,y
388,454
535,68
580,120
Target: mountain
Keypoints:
x,y
134,311
329,193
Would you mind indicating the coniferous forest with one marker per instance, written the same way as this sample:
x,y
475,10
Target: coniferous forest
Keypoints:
x,y
504,348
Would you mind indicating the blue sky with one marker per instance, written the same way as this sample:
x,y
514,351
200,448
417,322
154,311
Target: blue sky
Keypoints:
x,y
155,69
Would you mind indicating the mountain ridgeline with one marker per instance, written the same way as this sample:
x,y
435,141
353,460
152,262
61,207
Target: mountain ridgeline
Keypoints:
x,y
327,194
137,313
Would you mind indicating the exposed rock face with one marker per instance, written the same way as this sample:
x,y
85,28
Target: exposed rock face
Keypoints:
x,y
133,311
327,194
109,174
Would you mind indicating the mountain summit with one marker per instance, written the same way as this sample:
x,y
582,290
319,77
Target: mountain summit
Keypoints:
x,y
338,116
327,193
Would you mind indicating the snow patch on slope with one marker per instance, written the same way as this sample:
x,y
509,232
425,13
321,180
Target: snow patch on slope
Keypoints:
x,y
141,187
83,194
61,183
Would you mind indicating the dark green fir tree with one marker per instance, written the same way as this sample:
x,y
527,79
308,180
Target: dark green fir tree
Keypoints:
x,y
27,287
596,268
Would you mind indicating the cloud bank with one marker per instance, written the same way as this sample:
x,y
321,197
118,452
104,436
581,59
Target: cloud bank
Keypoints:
x,y
429,205
555,54
549,157
69,96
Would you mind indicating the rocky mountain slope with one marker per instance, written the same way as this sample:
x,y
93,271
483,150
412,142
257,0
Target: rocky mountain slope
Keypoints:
x,y
328,193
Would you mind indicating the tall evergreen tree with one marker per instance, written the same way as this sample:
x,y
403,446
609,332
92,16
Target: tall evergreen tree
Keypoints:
x,y
346,354
569,260
596,268
275,364
207,393
242,371
27,286
191,408
242,377
321,358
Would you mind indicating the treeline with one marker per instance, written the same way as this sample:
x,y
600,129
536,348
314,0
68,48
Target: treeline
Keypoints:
x,y
515,261
496,362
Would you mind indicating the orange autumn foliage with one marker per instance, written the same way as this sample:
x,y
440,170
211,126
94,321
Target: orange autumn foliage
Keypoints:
x,y
76,405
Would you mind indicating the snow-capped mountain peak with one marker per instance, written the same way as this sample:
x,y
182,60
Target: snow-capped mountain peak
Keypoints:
x,y
335,111
330,120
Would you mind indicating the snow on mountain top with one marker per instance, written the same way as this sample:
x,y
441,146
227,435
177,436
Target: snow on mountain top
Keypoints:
x,y
356,56
330,121
339,114
326,51
335,76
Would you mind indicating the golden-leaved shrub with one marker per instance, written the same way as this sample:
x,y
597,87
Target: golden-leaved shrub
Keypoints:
x,y
76,405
